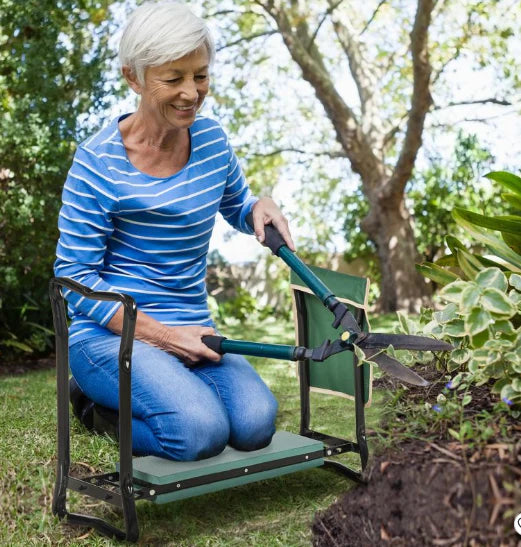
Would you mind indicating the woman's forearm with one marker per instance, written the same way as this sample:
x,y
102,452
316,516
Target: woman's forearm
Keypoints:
x,y
183,341
147,328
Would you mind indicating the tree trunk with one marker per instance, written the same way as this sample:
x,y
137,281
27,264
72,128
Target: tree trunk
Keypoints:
x,y
390,228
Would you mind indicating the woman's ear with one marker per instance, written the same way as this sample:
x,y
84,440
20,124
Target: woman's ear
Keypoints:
x,y
131,78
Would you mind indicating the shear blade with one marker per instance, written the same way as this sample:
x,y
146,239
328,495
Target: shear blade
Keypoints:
x,y
377,340
396,369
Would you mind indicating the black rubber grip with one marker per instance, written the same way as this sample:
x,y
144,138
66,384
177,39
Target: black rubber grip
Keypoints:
x,y
214,342
272,238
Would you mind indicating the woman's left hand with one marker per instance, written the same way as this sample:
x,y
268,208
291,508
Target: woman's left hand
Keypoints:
x,y
266,211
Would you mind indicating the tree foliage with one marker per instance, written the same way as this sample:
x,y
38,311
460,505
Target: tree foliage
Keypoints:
x,y
361,87
53,66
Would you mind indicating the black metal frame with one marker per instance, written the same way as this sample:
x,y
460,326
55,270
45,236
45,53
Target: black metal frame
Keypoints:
x,y
334,445
122,492
120,488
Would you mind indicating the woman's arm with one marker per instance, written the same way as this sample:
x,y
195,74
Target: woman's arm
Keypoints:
x,y
184,342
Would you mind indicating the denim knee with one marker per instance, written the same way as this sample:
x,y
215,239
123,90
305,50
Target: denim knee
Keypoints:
x,y
203,434
256,425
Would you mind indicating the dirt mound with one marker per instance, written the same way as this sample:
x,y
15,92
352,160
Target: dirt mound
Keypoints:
x,y
425,493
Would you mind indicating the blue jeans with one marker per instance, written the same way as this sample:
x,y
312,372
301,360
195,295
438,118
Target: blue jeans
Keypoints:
x,y
179,413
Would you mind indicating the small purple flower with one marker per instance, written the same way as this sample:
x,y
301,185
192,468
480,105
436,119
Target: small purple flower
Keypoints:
x,y
449,385
436,408
507,401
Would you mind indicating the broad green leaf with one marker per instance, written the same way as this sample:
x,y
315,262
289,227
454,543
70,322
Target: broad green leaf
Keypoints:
x,y
515,297
432,327
437,274
515,281
460,356
448,313
466,399
505,223
470,297
477,321
18,345
455,434
447,261
481,355
516,384
507,392
508,180
513,241
479,339
492,278
404,323
456,381
470,265
513,357
453,291
453,243
455,328
474,366
452,365
496,245
497,302
513,199
498,386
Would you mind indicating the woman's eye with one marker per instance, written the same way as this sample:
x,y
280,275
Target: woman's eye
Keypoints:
x,y
174,81
201,77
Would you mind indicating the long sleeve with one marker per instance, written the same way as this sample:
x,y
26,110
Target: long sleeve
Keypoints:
x,y
237,200
85,223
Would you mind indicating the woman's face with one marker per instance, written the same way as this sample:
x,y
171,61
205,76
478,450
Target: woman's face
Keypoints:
x,y
174,91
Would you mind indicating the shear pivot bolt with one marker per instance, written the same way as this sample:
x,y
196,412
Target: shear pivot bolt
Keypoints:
x,y
152,492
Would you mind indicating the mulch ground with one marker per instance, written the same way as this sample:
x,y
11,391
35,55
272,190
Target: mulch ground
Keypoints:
x,y
432,492
15,368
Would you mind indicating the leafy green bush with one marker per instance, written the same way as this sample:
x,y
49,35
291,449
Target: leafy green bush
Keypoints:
x,y
53,70
506,249
478,318
481,297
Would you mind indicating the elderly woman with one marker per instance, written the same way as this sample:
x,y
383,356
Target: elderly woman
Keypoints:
x,y
139,207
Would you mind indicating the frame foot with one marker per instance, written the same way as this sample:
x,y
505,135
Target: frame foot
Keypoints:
x,y
348,472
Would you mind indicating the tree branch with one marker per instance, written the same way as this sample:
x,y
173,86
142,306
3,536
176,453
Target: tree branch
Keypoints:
x,y
328,12
370,20
348,131
247,39
330,154
492,100
420,102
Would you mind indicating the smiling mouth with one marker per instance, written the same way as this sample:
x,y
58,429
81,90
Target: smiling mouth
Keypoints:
x,y
184,108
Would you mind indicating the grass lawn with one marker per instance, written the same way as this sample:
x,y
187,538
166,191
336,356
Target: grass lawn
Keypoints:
x,y
274,512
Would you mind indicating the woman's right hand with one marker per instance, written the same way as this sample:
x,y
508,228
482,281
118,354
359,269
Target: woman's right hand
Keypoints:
x,y
186,343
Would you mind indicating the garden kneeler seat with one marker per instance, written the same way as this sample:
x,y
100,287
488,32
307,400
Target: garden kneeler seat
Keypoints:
x,y
160,480
340,374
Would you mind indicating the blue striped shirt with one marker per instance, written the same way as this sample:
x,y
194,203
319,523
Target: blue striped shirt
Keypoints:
x,y
125,231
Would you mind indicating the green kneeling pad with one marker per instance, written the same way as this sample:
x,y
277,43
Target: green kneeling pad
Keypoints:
x,y
169,480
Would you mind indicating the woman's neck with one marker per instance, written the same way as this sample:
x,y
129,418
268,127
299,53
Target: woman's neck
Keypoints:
x,y
141,130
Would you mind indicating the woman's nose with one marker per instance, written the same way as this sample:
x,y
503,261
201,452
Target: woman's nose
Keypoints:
x,y
189,90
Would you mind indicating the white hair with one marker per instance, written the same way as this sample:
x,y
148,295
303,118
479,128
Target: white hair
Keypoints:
x,y
161,32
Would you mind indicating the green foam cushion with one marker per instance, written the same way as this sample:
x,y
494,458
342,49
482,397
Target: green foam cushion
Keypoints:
x,y
162,471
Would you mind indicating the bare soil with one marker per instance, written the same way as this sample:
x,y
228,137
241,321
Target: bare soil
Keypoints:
x,y
432,492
